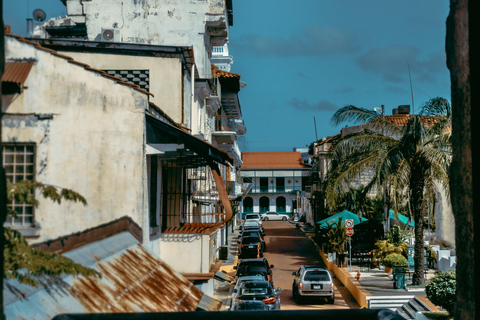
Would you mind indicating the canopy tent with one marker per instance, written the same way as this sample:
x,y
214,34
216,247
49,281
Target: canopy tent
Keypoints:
x,y
403,219
344,215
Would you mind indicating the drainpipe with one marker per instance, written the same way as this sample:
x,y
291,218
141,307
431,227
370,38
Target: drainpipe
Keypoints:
x,y
193,96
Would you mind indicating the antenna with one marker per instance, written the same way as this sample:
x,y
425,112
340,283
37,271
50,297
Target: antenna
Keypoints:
x,y
315,124
39,15
411,88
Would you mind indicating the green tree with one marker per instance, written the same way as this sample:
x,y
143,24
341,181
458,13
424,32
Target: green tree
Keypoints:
x,y
408,160
23,262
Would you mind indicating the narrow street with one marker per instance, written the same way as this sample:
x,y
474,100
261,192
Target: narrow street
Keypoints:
x,y
288,249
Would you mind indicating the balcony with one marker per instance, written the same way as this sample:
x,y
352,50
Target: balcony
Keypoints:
x,y
271,190
224,129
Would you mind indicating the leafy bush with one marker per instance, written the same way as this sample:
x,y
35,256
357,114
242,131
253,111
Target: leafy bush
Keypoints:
x,y
394,260
441,290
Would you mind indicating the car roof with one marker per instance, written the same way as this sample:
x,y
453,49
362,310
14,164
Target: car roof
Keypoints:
x,y
315,267
252,260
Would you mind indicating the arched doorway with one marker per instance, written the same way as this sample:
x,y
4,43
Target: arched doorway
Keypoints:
x,y
281,204
264,204
247,205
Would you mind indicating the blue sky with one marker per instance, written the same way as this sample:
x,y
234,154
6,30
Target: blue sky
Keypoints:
x,y
305,59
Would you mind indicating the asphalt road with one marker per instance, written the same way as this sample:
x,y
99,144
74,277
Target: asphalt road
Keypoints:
x,y
287,249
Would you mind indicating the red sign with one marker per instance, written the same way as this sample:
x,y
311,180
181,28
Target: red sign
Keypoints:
x,y
349,232
222,226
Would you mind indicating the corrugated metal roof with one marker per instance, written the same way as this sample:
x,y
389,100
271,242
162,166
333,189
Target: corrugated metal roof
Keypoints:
x,y
17,72
272,160
133,280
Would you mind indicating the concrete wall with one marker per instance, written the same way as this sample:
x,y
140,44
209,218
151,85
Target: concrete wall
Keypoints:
x,y
164,22
187,253
165,77
93,144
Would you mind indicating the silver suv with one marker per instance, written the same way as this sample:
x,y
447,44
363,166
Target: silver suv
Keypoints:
x,y
254,217
313,281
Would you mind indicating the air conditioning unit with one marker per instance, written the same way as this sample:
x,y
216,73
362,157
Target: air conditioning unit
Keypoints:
x,y
110,35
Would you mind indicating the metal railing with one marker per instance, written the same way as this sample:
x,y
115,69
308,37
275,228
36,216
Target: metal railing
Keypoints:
x,y
224,123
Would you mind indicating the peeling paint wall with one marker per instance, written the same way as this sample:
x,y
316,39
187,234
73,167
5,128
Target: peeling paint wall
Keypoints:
x,y
93,144
165,76
200,24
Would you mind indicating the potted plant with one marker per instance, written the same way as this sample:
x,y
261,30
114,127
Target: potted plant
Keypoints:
x,y
394,260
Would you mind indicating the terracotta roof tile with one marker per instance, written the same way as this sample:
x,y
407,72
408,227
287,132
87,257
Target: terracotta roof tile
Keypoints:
x,y
272,160
194,228
17,72
402,119
329,139
222,73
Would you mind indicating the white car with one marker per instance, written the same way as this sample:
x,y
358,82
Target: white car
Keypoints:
x,y
253,216
272,215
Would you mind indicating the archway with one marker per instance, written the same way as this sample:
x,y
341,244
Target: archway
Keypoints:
x,y
264,204
281,204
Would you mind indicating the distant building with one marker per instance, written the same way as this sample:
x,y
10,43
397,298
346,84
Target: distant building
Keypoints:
x,y
277,181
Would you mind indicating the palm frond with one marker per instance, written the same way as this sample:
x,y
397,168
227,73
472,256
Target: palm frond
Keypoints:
x,y
354,114
436,106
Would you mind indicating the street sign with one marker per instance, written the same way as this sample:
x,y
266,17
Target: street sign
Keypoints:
x,y
349,223
349,232
222,226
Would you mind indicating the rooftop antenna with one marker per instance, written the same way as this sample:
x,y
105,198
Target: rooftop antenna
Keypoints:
x,y
315,124
39,15
411,88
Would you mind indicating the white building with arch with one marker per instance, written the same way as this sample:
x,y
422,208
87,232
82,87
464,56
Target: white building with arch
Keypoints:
x,y
277,182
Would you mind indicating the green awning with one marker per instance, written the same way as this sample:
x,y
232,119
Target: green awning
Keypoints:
x,y
344,215
403,219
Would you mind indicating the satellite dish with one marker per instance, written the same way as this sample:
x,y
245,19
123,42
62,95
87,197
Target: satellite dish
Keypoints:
x,y
39,15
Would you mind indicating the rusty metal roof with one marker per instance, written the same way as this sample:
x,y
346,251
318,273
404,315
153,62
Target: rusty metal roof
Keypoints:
x,y
17,72
133,280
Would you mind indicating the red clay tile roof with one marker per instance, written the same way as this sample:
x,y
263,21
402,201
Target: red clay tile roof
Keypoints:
x,y
402,119
223,73
329,139
17,72
194,228
272,160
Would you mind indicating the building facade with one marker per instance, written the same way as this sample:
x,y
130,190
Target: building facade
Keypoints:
x,y
276,182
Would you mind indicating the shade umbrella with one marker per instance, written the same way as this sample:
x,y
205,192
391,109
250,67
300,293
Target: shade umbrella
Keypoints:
x,y
344,215
403,219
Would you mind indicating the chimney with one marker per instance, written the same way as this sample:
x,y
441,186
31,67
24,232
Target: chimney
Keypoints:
x,y
395,111
29,27
404,109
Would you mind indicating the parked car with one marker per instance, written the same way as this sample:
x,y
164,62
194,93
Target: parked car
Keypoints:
x,y
253,216
246,305
249,267
313,281
253,225
259,290
272,215
241,280
250,247
254,232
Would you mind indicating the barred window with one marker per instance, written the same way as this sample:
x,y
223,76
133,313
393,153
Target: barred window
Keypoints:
x,y
19,163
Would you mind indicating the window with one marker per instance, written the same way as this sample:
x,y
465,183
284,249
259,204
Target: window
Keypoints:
x,y
19,163
281,204
280,184
139,77
263,184
264,204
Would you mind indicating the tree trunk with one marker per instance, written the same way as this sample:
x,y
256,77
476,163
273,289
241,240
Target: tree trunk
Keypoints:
x,y
461,44
416,201
3,182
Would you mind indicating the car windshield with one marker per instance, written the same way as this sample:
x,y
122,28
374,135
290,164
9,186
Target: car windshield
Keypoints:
x,y
251,305
316,276
247,240
253,291
251,233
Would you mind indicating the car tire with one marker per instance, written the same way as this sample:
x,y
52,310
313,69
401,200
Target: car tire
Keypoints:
x,y
331,300
295,294
284,218
265,219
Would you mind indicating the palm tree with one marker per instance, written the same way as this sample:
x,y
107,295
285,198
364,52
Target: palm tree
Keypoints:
x,y
408,160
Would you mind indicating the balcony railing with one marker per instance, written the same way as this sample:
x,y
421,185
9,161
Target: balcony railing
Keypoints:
x,y
284,190
224,123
